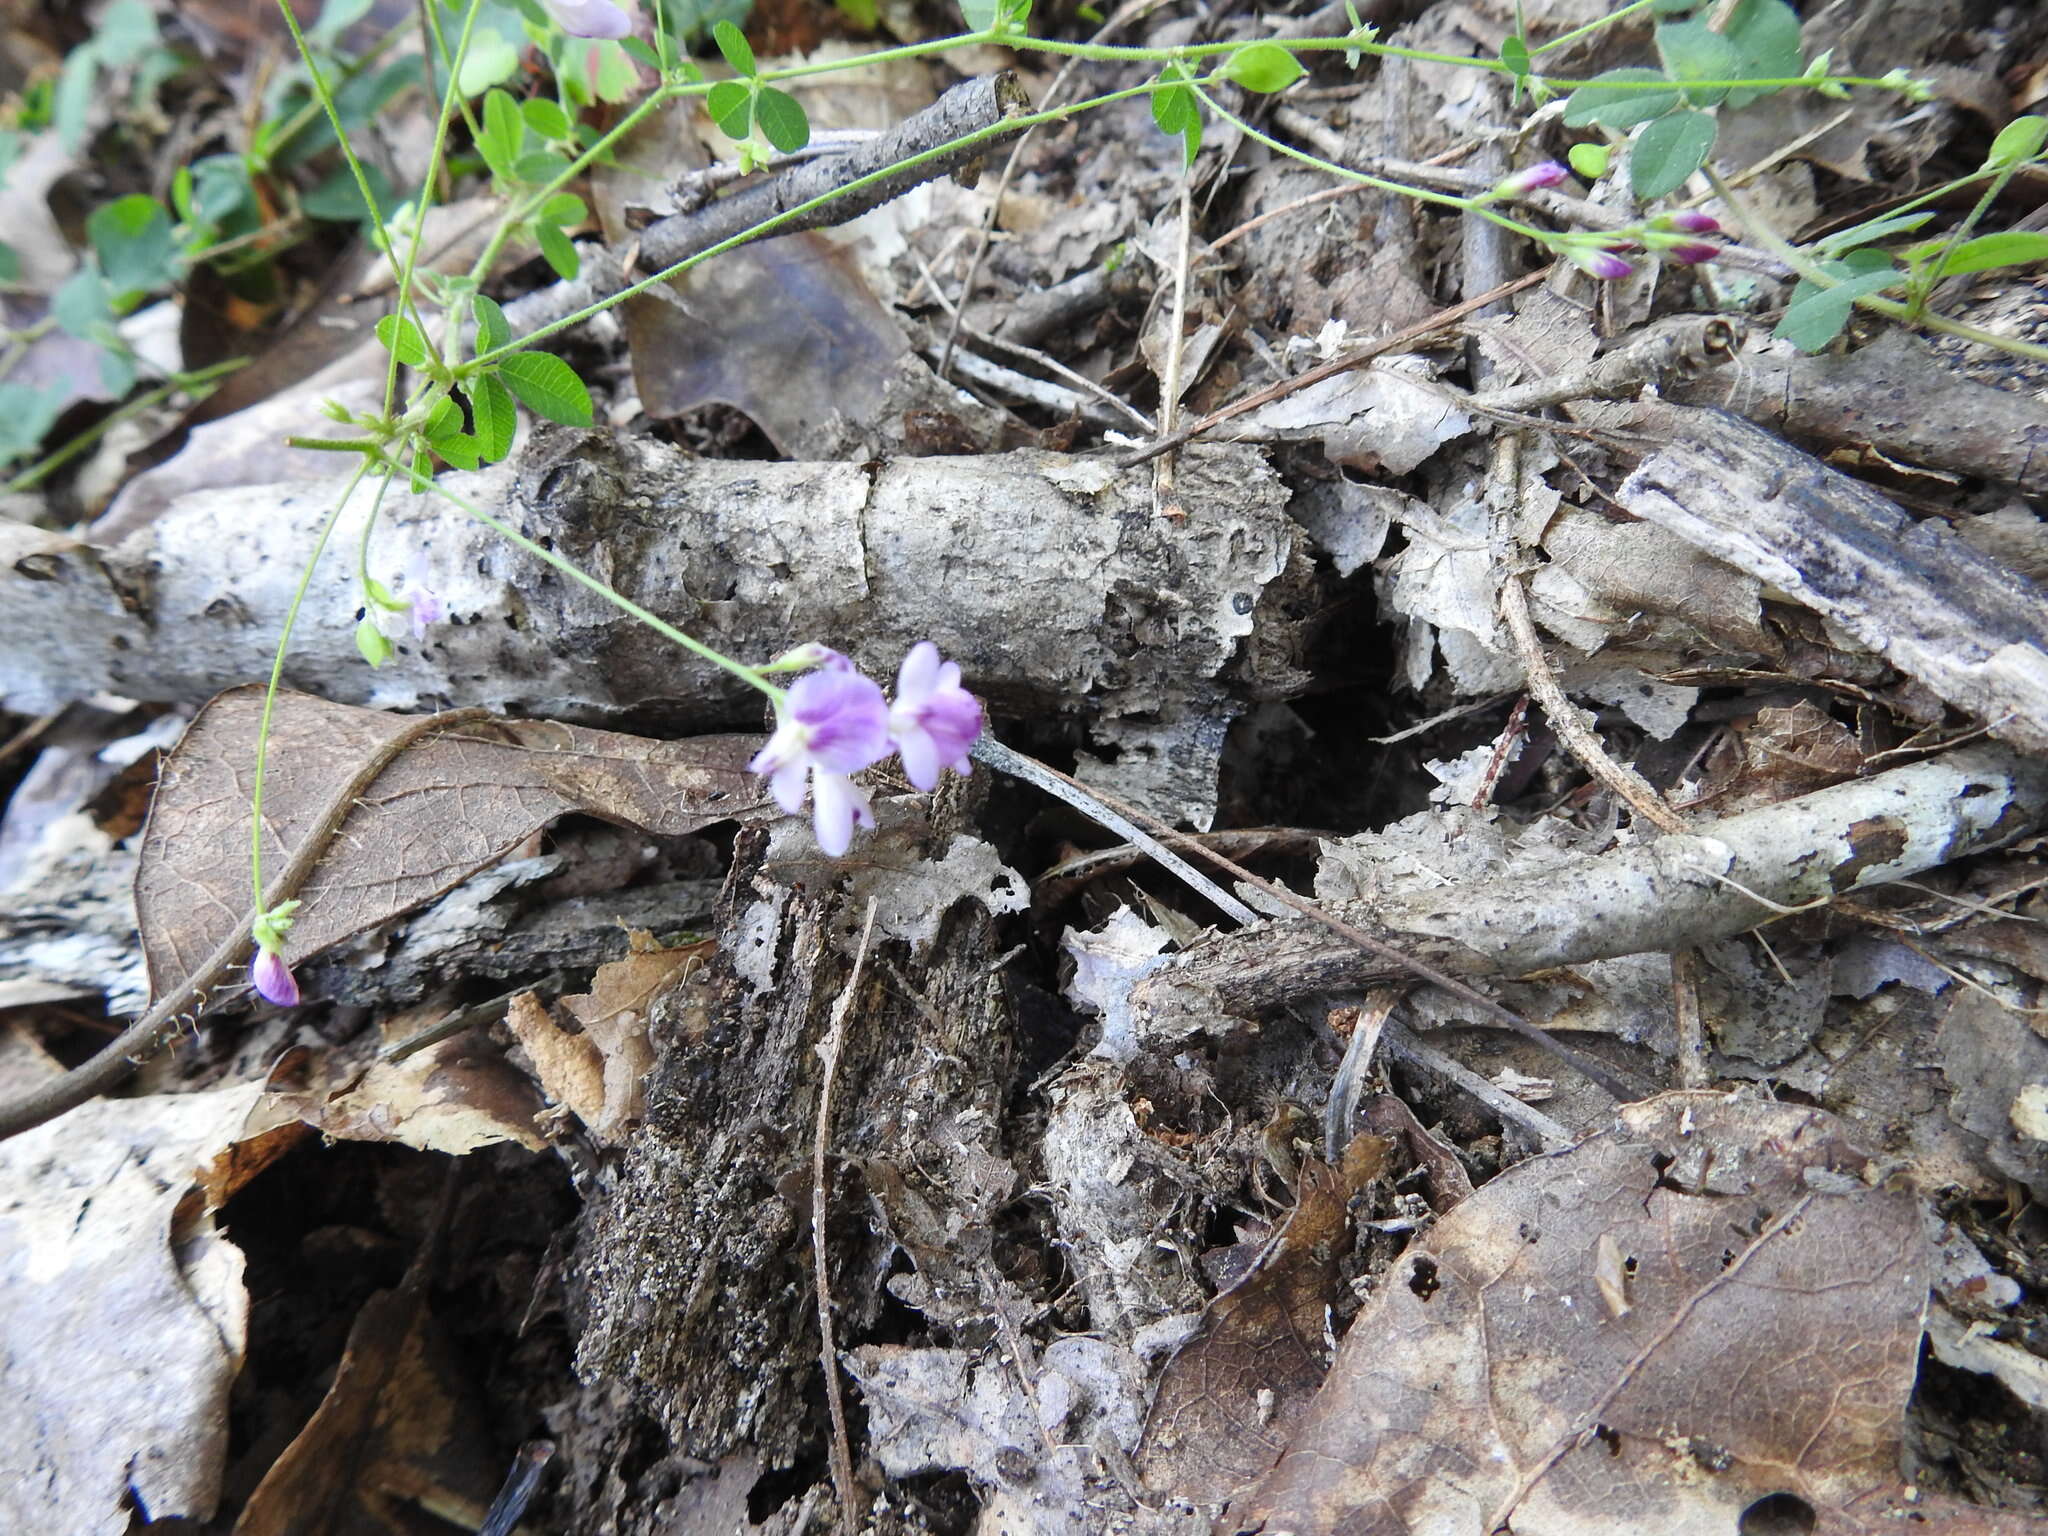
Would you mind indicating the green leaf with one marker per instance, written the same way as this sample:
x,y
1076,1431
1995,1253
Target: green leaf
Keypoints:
x,y
504,133
1590,160
82,307
492,328
637,50
1766,34
557,251
1514,53
2011,248
548,386
26,416
459,449
539,168
1816,316
1263,68
546,120
782,120
340,200
135,243
496,419
1843,240
380,595
370,642
1669,150
1692,50
731,106
491,60
980,15
565,209
446,419
404,340
1175,105
1621,98
732,42
2019,140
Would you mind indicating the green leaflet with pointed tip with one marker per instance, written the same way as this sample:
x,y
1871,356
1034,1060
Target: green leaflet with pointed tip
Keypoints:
x,y
1668,151
548,386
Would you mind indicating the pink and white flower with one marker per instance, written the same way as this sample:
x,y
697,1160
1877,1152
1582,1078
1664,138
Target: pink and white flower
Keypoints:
x,y
831,724
934,721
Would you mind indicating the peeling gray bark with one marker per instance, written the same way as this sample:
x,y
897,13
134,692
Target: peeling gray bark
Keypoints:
x,y
1050,577
1956,620
1668,894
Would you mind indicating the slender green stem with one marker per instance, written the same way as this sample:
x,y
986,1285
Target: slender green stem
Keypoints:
x,y
1476,205
449,96
363,544
325,93
769,226
752,676
1922,286
432,12
1592,26
284,640
195,381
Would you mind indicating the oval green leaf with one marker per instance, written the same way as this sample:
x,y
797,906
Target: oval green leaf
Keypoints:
x,y
496,418
493,330
1263,68
404,340
2021,139
782,120
556,250
1621,98
548,386
731,106
1669,150
732,42
1816,316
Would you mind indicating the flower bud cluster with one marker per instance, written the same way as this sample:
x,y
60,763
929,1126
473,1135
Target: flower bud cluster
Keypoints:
x,y
834,722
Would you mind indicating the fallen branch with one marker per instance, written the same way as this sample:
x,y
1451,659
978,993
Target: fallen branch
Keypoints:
x,y
1720,880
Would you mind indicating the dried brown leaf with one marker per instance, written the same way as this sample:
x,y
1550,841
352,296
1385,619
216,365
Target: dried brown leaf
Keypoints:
x,y
451,804
614,1015
1771,1338
399,1431
1230,1397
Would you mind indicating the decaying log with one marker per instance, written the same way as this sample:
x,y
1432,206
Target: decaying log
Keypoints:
x,y
1665,895
1894,396
1969,628
693,1269
1050,577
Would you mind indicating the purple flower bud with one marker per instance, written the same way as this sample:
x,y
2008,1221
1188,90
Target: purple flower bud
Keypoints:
x,y
590,18
832,723
1691,253
1547,174
934,721
1692,221
273,979
1604,265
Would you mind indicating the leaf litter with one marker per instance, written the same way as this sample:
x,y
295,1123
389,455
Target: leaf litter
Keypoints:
x,y
1088,1267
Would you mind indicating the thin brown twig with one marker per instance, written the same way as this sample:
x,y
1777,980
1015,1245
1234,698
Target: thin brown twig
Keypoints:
x,y
1442,320
828,1354
1164,502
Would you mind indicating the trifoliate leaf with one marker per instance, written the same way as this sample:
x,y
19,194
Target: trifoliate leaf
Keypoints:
x,y
549,387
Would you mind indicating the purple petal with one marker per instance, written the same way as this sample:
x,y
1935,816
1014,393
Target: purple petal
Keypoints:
x,y
786,784
1547,174
919,674
1693,252
273,979
844,718
837,803
1693,222
920,757
590,18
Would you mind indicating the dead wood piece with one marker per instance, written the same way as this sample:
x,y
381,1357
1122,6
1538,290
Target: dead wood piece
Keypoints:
x,y
1956,620
970,107
693,1295
1723,878
1894,396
